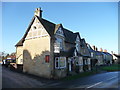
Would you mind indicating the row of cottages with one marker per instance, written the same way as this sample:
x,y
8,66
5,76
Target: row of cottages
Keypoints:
x,y
99,57
52,51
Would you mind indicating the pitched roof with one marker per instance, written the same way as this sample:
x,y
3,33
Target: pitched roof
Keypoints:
x,y
118,56
69,36
57,26
20,43
51,28
107,53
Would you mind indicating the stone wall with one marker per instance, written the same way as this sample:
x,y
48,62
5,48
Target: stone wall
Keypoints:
x,y
34,56
19,55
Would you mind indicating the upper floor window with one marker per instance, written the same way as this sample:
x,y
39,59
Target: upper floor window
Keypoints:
x,y
91,54
77,46
78,39
59,32
60,41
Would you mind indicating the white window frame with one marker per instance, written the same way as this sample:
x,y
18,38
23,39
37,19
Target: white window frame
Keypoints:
x,y
80,61
61,32
92,54
60,40
77,46
59,63
88,61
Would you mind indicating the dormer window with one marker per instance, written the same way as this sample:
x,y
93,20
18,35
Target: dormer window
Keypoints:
x,y
81,46
60,42
60,32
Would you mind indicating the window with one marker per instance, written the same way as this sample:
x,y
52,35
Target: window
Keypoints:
x,y
59,40
60,62
82,46
60,32
77,46
86,62
80,61
34,27
56,47
91,54
47,57
56,62
61,45
21,60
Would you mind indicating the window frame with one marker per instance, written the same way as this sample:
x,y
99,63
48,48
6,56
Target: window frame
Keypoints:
x,y
47,58
59,63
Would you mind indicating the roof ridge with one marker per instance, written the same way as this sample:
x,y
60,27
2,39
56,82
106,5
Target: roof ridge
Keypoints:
x,y
46,20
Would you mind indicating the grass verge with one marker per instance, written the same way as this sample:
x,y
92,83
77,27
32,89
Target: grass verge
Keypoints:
x,y
114,67
80,75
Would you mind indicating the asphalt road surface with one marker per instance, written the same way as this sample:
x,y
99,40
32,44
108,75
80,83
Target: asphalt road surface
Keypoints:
x,y
106,80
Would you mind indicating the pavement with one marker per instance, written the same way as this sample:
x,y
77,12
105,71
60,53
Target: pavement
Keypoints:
x,y
106,80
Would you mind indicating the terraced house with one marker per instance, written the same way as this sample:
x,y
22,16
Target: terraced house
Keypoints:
x,y
49,50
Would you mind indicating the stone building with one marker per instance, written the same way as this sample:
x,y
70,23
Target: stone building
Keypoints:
x,y
50,50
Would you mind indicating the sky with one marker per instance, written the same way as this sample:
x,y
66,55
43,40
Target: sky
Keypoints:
x,y
97,22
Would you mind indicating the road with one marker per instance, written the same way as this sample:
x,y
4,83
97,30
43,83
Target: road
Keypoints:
x,y
12,79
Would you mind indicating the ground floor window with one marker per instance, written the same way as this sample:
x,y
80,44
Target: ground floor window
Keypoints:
x,y
89,61
47,57
79,61
60,62
85,61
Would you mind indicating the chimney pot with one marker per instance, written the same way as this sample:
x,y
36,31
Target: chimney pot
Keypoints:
x,y
38,12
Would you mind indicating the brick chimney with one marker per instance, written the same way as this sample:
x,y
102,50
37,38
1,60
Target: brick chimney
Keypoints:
x,y
38,12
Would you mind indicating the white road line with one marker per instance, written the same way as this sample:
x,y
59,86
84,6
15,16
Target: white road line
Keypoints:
x,y
111,78
100,82
94,85
53,84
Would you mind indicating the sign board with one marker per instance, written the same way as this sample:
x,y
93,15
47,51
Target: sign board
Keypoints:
x,y
56,47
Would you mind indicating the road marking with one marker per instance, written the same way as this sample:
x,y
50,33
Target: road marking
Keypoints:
x,y
53,84
100,82
94,85
111,78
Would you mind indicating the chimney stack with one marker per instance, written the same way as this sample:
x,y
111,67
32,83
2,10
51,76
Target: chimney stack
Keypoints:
x,y
101,49
38,12
105,50
96,49
93,47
